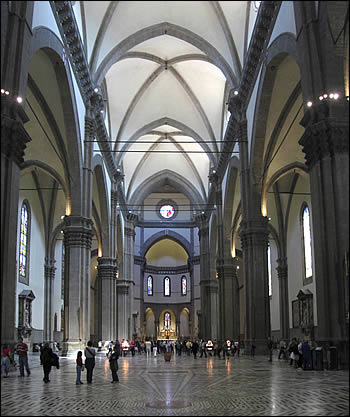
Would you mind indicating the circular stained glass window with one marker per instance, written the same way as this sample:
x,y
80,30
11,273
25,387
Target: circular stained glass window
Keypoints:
x,y
167,211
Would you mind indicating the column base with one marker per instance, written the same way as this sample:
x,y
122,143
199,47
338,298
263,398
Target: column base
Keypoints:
x,y
71,347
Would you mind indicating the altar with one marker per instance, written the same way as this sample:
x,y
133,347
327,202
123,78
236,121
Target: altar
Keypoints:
x,y
167,334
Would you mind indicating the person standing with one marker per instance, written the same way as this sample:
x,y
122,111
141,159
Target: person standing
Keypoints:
x,y
306,350
113,363
195,348
270,348
203,348
238,346
283,348
188,347
5,360
294,353
90,354
148,347
154,348
252,349
46,356
21,350
80,365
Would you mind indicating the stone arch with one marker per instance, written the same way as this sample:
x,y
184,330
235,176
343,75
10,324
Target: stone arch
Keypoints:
x,y
213,245
166,234
150,330
283,46
44,39
30,165
98,171
158,30
294,167
174,179
187,131
184,320
230,195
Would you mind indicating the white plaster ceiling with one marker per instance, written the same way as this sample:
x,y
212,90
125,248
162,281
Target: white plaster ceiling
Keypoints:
x,y
166,68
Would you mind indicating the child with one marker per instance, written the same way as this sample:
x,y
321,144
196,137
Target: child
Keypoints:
x,y
79,366
5,360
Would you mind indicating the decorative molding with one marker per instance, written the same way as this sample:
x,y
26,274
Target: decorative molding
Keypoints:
x,y
77,231
166,223
13,135
322,137
183,269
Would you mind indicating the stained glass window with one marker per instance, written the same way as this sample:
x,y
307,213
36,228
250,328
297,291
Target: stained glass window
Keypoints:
x,y
24,244
150,285
167,321
306,226
183,285
269,268
167,287
167,211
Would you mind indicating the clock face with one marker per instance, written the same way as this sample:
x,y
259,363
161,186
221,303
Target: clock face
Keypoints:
x,y
167,211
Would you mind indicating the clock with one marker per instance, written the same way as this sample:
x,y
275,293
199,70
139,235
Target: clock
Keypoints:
x,y
167,211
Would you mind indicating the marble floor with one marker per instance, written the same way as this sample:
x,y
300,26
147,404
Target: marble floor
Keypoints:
x,y
182,387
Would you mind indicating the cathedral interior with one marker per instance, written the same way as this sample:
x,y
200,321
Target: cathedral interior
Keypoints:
x,y
176,170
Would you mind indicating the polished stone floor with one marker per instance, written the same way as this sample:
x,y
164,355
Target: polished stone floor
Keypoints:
x,y
182,387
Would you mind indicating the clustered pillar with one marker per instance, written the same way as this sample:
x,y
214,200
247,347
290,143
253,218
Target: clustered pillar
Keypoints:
x,y
77,241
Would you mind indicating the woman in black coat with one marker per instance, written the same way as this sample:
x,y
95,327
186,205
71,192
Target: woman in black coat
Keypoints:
x,y
46,356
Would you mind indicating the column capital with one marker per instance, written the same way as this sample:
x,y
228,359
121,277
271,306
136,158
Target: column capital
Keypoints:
x,y
77,231
13,135
254,232
282,269
132,218
50,269
324,135
107,268
129,231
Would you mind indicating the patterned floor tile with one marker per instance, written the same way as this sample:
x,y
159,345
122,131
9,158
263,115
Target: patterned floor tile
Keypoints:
x,y
184,386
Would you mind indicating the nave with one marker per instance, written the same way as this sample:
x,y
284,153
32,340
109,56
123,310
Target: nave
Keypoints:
x,y
184,386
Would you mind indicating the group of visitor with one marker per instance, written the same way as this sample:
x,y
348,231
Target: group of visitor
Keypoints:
x,y
298,352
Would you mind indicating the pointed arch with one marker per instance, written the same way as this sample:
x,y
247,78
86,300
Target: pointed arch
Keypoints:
x,y
160,29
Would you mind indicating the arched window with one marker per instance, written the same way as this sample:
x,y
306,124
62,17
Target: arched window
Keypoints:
x,y
183,285
167,321
150,285
166,287
24,244
306,242
269,267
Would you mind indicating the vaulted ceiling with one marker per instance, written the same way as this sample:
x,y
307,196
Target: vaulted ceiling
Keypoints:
x,y
165,69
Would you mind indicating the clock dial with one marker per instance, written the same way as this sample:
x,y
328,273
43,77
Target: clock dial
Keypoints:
x,y
167,211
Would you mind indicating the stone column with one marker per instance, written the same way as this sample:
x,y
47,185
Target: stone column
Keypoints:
x,y
126,284
178,326
13,143
156,327
16,37
48,300
326,147
254,238
203,234
77,241
208,286
282,273
107,275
